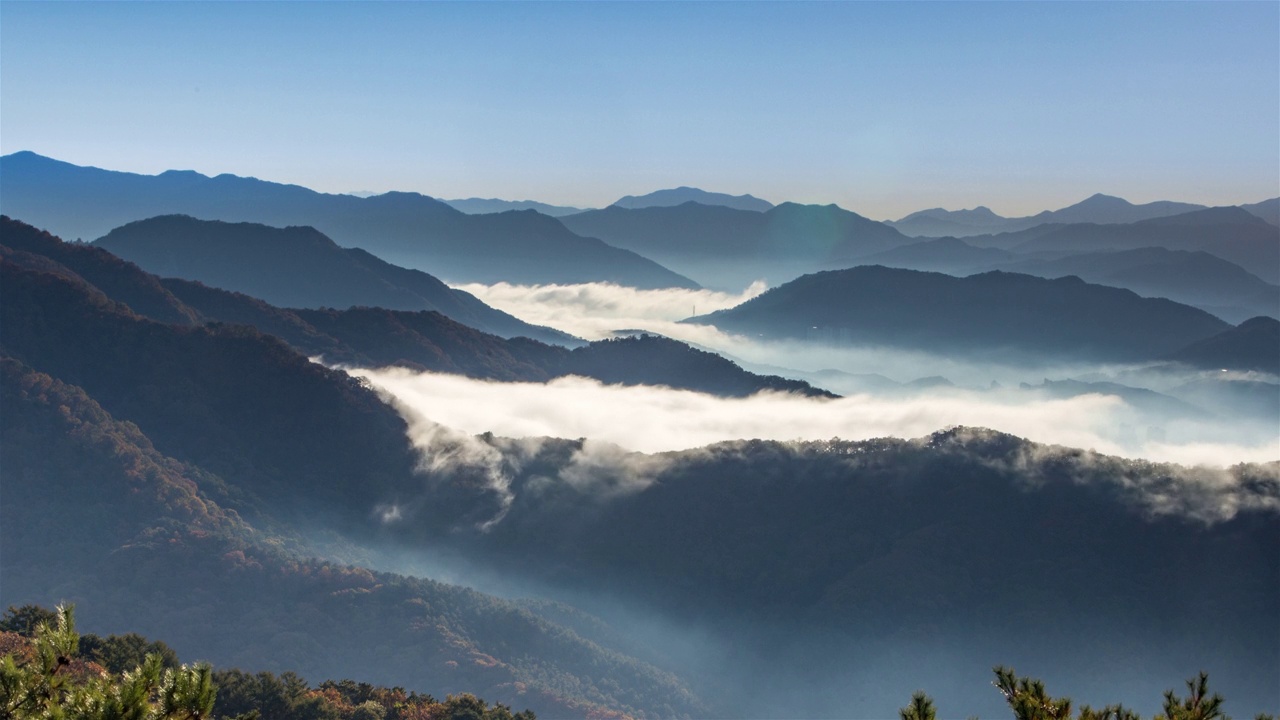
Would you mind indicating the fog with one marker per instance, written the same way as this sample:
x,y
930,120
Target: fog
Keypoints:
x,y
596,311
655,419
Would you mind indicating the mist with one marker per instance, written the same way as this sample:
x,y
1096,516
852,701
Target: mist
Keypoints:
x,y
655,419
597,311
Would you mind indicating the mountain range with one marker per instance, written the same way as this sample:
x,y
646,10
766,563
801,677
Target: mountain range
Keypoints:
x,y
368,336
684,194
181,478
726,247
484,206
408,229
1194,278
1097,209
994,315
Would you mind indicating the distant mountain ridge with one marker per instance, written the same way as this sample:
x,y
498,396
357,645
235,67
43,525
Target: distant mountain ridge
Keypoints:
x,y
1098,209
1192,277
730,248
484,206
376,336
408,229
299,267
994,313
683,194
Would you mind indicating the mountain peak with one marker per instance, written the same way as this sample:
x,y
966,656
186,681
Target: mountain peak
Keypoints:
x,y
684,194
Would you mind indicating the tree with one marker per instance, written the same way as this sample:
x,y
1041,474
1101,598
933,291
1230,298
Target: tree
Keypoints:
x,y
921,708
41,684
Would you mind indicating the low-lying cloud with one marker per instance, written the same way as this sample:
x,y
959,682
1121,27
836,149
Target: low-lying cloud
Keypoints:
x,y
595,310
655,419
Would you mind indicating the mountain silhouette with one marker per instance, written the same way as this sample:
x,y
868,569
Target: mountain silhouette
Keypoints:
x,y
375,336
1252,345
989,315
683,194
1097,209
730,248
299,267
408,229
485,206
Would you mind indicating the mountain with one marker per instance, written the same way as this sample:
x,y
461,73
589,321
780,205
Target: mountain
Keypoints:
x,y
1097,209
1252,345
173,480
938,222
377,337
837,564
991,314
1107,209
137,539
408,229
1191,277
1142,399
683,194
1268,210
484,206
1229,233
730,248
299,267
947,254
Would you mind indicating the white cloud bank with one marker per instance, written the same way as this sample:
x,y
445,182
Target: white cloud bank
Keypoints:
x,y
652,419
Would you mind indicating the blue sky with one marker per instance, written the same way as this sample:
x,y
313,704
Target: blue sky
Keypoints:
x,y
881,108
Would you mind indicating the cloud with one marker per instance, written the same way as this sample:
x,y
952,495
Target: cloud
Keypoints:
x,y
653,419
595,310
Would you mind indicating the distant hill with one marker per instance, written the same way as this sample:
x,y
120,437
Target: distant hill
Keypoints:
x,y
1098,209
683,194
1268,210
729,248
989,315
108,515
376,337
1191,277
947,254
299,267
484,206
938,222
1229,233
1252,345
407,229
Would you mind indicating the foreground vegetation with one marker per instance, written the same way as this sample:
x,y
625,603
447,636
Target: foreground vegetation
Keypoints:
x,y
49,671
1030,701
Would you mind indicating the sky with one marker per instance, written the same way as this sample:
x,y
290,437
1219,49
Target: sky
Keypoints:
x,y
882,108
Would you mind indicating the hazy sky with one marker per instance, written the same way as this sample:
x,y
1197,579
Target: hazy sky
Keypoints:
x,y
882,108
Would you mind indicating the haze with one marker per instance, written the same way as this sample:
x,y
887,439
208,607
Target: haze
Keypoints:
x,y
883,108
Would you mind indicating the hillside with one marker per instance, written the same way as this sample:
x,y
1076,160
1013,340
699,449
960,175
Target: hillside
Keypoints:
x,y
724,247
299,267
1228,233
961,540
1096,209
1253,345
988,315
375,337
408,229
684,194
485,206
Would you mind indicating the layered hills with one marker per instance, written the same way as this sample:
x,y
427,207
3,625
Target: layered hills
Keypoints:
x,y
173,478
1096,209
408,229
726,247
366,336
1195,278
684,194
987,314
